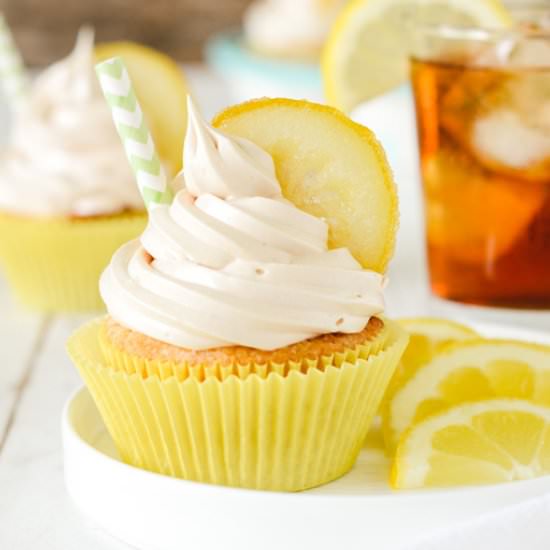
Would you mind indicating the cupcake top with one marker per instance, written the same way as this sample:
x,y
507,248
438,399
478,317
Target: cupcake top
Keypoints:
x,y
65,157
296,28
232,262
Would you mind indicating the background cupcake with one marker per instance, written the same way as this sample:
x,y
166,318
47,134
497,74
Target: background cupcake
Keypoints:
x,y
67,194
240,349
277,52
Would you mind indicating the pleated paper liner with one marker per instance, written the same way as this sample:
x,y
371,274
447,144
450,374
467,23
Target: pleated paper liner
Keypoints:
x,y
284,430
54,264
130,363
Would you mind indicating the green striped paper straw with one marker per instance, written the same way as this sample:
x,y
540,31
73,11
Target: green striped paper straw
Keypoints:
x,y
13,75
134,133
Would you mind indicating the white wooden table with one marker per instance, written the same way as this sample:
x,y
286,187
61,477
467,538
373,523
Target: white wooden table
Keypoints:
x,y
36,378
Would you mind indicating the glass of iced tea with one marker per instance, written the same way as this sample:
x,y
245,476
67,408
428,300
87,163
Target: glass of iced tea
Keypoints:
x,y
483,111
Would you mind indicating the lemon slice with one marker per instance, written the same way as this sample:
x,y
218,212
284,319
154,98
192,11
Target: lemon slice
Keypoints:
x,y
470,371
162,91
475,443
367,50
328,166
428,337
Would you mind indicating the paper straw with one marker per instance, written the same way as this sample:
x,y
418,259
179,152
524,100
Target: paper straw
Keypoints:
x,y
133,131
12,70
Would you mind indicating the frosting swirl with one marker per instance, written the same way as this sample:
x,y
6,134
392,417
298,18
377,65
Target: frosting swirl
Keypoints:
x,y
65,157
290,27
231,262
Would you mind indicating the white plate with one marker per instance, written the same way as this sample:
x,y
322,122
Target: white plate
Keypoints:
x,y
359,511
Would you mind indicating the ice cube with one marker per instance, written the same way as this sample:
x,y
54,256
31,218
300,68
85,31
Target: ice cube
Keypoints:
x,y
514,52
531,53
495,54
502,137
502,119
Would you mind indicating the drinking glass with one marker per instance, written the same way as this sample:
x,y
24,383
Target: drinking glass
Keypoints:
x,y
482,101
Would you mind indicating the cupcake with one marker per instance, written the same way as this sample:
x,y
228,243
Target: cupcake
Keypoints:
x,y
291,29
68,197
278,50
238,348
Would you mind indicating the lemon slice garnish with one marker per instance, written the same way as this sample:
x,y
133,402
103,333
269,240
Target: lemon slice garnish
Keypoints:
x,y
328,166
367,51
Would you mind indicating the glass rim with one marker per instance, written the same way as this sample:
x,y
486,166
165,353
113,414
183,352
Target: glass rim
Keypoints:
x,y
472,32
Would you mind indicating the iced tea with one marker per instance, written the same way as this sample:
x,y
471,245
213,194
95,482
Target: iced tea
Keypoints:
x,y
484,136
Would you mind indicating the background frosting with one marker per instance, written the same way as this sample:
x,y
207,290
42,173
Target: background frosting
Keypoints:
x,y
234,262
290,26
66,157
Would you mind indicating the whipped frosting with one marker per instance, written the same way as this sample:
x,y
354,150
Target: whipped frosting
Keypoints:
x,y
282,27
65,157
231,262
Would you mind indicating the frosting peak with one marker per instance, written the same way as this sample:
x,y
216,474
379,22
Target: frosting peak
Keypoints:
x,y
71,80
231,262
225,167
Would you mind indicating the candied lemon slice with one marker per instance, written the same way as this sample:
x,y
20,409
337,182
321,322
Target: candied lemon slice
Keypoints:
x,y
475,443
367,51
162,91
469,371
428,336
328,166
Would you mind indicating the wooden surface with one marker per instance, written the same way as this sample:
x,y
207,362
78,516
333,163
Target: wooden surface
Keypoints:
x,y
36,378
45,29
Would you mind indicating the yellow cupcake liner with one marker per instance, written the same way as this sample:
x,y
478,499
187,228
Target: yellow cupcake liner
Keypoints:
x,y
284,432
121,360
54,264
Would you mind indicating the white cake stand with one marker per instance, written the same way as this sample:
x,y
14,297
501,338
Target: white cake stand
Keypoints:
x,y
359,511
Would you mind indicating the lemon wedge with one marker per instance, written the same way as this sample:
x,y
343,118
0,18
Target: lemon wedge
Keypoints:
x,y
162,91
475,443
328,166
427,337
469,371
367,50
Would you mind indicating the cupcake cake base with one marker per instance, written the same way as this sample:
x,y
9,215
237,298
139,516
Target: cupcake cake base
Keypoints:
x,y
290,422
